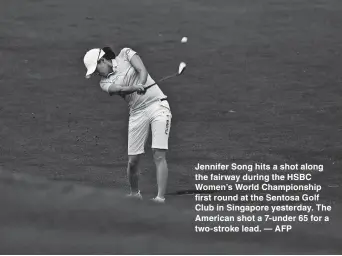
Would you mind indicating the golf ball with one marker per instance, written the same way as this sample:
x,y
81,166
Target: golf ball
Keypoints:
x,y
184,40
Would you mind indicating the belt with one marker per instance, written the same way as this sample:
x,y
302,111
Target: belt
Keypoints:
x,y
163,99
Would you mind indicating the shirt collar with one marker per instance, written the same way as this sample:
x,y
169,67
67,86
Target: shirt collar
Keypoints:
x,y
115,66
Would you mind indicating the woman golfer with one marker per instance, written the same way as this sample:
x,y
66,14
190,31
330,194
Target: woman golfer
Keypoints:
x,y
126,75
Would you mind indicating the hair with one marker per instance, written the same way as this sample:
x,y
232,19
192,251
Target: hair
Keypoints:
x,y
109,54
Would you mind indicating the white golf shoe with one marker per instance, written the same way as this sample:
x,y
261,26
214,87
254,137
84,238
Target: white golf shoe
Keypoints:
x,y
158,200
136,195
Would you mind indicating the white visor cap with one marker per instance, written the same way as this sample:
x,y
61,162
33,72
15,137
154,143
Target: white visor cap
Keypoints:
x,y
90,60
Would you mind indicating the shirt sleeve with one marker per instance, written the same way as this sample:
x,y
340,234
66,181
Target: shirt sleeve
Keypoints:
x,y
104,86
128,53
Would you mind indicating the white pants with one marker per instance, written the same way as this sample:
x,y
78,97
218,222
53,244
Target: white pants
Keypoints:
x,y
158,116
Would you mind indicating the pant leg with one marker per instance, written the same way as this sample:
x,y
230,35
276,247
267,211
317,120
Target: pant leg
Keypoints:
x,y
160,119
138,130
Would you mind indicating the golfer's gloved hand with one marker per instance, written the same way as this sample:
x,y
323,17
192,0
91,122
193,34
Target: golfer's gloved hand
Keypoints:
x,y
140,89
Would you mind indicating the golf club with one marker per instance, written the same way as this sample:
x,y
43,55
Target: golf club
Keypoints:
x,y
181,69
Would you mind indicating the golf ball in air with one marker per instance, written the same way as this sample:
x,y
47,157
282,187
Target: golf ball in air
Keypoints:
x,y
184,40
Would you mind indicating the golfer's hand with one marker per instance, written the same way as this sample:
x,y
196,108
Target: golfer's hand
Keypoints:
x,y
140,89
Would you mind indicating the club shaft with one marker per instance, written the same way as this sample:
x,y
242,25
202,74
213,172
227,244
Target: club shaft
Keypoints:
x,y
160,80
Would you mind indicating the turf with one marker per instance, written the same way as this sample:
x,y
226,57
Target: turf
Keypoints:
x,y
262,85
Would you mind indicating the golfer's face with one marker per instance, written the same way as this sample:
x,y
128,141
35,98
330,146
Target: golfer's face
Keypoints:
x,y
103,68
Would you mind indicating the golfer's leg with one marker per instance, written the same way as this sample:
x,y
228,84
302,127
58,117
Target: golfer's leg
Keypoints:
x,y
138,129
133,172
159,156
160,126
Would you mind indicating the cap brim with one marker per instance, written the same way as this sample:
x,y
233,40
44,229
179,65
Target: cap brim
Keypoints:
x,y
90,71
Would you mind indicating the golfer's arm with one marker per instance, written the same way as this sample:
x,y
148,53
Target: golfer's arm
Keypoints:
x,y
139,66
116,89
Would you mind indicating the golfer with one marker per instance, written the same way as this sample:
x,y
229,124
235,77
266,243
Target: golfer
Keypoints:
x,y
125,75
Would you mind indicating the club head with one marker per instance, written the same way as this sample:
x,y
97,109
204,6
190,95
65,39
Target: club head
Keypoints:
x,y
181,68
